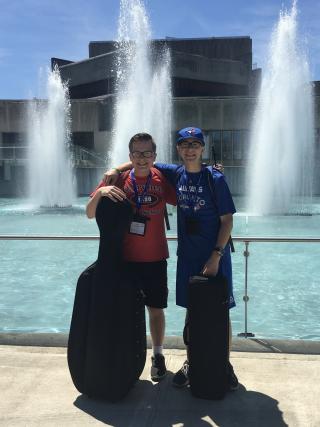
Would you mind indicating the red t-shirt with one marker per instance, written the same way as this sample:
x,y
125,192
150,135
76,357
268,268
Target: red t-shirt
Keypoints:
x,y
153,245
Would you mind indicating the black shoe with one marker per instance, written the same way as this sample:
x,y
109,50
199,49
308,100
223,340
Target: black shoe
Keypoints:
x,y
233,382
181,378
158,367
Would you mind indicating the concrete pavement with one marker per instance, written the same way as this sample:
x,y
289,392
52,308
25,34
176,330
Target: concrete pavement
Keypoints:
x,y
277,389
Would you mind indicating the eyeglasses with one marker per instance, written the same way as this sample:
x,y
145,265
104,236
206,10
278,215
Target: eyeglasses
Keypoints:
x,y
141,154
191,144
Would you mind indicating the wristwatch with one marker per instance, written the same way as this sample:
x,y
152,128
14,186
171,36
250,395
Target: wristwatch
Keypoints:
x,y
220,250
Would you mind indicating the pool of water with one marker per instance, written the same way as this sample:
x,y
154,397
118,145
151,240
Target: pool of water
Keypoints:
x,y
38,278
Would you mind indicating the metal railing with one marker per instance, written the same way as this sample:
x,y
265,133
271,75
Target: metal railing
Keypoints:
x,y
246,253
83,154
78,153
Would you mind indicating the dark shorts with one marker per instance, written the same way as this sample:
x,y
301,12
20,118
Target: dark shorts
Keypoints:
x,y
151,278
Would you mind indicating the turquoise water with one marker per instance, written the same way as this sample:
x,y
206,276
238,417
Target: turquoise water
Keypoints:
x,y
38,278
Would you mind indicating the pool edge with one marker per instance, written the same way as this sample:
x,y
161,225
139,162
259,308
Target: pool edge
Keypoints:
x,y
255,345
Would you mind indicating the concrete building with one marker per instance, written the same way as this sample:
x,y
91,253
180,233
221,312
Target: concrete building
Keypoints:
x,y
214,87
199,67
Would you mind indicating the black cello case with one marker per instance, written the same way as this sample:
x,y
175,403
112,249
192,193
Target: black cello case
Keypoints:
x,y
207,337
107,339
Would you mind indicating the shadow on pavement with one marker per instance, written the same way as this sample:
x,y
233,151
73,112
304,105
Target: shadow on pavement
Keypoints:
x,y
161,405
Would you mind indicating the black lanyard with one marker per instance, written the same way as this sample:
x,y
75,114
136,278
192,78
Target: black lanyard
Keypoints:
x,y
139,198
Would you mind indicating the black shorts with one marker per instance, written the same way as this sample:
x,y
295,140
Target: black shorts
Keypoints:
x,y
151,277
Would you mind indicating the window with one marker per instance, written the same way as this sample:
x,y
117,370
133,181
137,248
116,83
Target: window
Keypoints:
x,y
10,139
207,139
174,152
240,146
216,143
228,146
227,151
213,146
83,139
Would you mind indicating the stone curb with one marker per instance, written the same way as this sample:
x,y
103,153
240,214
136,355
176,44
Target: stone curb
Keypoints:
x,y
255,345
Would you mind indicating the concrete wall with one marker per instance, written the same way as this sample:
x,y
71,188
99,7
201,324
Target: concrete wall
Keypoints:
x,y
96,76
93,116
212,70
89,70
85,116
235,48
13,115
225,62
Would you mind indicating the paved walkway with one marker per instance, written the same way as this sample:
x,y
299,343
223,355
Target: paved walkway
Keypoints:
x,y
277,389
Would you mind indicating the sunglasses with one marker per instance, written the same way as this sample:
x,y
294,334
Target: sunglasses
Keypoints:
x,y
141,154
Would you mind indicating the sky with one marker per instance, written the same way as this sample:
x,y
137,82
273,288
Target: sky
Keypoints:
x,y
33,31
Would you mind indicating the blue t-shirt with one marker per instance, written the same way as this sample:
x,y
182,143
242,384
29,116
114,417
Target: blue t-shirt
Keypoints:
x,y
197,201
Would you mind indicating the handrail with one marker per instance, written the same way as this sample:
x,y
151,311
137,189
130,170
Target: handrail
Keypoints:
x,y
80,151
248,239
77,151
246,253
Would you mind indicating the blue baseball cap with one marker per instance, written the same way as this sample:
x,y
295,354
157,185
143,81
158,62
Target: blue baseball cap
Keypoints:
x,y
190,132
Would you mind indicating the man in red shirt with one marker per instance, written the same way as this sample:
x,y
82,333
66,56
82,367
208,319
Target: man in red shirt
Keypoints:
x,y
145,245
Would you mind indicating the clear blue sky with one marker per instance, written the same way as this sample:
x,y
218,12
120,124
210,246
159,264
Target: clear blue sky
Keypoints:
x,y
33,31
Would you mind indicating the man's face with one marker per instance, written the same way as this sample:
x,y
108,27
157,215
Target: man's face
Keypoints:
x,y
190,150
142,157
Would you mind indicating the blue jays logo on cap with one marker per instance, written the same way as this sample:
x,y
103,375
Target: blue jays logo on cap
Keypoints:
x,y
190,132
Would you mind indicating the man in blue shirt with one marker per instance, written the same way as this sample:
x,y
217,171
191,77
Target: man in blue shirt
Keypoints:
x,y
204,224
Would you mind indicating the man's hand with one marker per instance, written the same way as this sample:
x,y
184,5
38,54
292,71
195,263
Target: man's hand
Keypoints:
x,y
219,167
111,176
212,265
114,193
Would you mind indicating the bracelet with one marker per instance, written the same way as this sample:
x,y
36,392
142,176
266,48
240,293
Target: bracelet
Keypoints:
x,y
117,170
220,250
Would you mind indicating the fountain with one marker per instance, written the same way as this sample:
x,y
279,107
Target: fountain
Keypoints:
x,y
143,85
50,170
282,141
40,276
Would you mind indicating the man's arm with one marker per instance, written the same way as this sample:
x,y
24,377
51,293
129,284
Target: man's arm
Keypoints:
x,y
114,193
169,170
212,265
110,177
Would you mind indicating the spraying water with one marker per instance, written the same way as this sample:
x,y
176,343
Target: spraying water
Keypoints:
x,y
143,85
50,170
282,138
